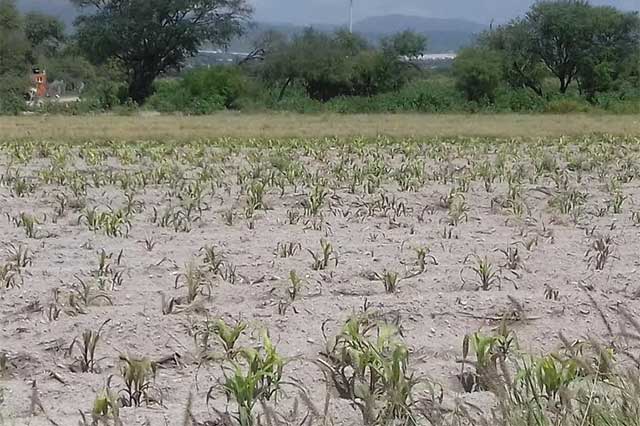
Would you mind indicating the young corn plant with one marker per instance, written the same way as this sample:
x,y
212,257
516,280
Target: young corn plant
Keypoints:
x,y
137,375
368,365
228,335
485,276
106,409
390,280
195,281
254,378
616,202
295,286
212,259
599,253
322,259
315,200
491,352
422,254
86,362
288,249
513,260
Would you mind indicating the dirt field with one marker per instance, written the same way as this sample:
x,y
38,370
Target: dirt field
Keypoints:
x,y
122,232
154,127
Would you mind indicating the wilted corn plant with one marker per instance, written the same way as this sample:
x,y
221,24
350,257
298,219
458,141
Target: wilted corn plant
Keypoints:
x,y
368,365
137,375
599,253
105,410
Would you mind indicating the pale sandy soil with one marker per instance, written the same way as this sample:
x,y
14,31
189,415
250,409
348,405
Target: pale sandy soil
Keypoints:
x,y
435,310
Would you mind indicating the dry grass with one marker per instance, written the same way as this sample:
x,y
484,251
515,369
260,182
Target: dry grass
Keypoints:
x,y
149,126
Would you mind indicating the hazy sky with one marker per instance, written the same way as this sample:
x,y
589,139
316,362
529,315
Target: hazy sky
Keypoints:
x,y
336,11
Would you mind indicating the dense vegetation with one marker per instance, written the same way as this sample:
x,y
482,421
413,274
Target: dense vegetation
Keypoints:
x,y
561,56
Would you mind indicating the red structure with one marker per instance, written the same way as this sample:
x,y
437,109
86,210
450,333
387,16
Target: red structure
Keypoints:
x,y
39,81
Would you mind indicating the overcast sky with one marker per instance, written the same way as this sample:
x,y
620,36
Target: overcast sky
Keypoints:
x,y
336,11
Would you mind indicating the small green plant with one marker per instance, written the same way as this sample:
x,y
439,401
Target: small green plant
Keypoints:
x,y
616,202
315,200
196,282
369,366
256,377
137,374
228,334
322,259
295,286
422,254
485,275
106,409
513,260
390,280
87,361
599,253
289,249
19,256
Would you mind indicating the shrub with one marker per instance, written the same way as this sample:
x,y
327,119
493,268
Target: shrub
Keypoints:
x,y
201,91
565,105
478,73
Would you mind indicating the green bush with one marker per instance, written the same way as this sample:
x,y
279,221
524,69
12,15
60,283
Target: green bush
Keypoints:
x,y
200,91
566,105
478,74
11,94
518,100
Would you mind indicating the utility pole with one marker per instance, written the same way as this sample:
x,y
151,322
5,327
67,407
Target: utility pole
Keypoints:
x,y
351,16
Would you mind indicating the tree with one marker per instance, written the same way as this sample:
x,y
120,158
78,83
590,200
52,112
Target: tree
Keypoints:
x,y
560,31
14,50
408,44
478,73
150,37
522,65
44,31
612,52
341,64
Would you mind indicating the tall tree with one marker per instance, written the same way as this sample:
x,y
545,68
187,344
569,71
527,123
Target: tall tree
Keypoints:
x,y
149,37
14,46
44,31
522,65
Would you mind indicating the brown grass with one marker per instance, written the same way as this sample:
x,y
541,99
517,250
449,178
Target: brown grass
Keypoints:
x,y
148,126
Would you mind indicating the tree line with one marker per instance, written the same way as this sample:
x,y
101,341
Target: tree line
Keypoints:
x,y
127,49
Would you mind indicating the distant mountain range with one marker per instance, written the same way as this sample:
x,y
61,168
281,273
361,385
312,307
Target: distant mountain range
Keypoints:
x,y
444,35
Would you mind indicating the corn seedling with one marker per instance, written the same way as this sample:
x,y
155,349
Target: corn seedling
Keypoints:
x,y
390,280
19,256
599,253
295,286
322,259
367,365
106,409
513,260
137,374
87,362
256,377
289,249
617,201
212,259
195,281
228,335
422,254
485,276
